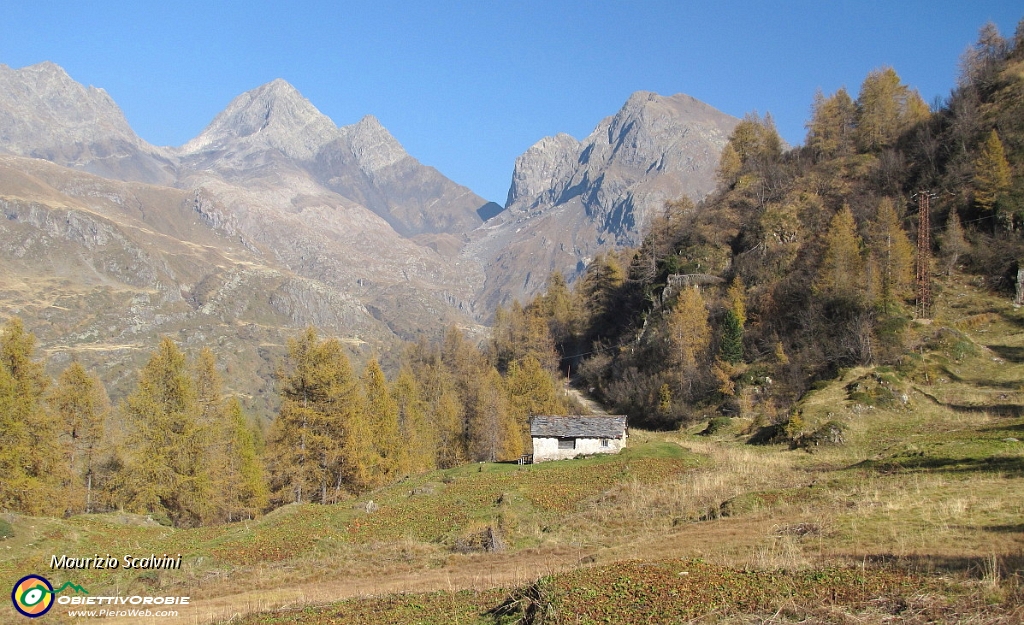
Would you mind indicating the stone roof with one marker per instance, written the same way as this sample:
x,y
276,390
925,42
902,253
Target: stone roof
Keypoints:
x,y
576,426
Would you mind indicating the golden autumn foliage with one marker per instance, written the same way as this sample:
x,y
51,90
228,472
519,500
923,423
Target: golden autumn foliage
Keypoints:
x,y
688,329
894,256
991,173
166,470
841,272
80,405
886,108
31,465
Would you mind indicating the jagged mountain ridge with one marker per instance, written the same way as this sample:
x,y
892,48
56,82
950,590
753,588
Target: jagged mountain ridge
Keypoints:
x,y
241,243
362,162
570,200
45,114
333,226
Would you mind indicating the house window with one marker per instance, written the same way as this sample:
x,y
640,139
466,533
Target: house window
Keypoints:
x,y
604,442
567,443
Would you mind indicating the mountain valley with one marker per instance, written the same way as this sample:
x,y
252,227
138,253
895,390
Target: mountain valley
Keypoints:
x,y
274,218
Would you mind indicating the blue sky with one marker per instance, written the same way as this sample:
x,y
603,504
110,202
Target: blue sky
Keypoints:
x,y
468,86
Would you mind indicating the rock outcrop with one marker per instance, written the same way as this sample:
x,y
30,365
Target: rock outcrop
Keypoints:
x,y
570,200
273,127
45,114
275,218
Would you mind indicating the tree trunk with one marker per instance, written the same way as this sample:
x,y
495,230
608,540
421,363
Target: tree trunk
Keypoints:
x,y
1019,299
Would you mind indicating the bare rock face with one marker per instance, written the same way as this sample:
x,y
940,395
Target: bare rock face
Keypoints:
x,y
373,146
271,220
654,149
541,173
570,200
272,117
45,114
273,127
275,218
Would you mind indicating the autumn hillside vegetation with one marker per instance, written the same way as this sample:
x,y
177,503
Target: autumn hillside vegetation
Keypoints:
x,y
908,511
804,262
811,440
181,450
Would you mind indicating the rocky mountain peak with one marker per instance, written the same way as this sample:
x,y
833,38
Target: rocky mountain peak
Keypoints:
x,y
42,109
274,115
374,147
570,200
45,114
540,169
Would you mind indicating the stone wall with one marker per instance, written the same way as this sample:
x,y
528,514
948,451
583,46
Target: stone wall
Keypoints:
x,y
547,448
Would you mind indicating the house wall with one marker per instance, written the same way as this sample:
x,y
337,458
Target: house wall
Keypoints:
x,y
547,448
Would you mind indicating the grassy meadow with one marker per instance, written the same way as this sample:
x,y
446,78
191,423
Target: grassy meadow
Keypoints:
x,y
917,517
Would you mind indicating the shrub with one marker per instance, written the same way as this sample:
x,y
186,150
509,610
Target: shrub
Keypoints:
x,y
774,434
831,433
717,425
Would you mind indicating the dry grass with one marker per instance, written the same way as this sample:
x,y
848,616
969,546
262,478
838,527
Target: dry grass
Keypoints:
x,y
933,487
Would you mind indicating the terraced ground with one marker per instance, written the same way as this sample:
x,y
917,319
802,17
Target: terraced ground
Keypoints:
x,y
918,517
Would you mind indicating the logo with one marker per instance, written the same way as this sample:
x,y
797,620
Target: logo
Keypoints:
x,y
32,596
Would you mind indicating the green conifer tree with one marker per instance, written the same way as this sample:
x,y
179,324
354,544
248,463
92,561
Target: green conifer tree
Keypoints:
x,y
731,346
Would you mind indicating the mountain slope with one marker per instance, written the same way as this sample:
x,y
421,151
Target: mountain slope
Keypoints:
x,y
273,124
277,217
267,222
570,200
98,269
45,114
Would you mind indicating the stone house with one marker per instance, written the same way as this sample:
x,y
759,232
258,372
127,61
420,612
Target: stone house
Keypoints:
x,y
558,438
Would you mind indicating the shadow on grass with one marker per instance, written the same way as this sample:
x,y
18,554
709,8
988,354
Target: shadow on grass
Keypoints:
x,y
1004,428
1016,320
993,464
1006,352
1005,529
971,566
997,410
1009,385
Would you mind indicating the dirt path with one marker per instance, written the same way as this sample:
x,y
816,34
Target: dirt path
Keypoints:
x,y
479,572
586,400
475,572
